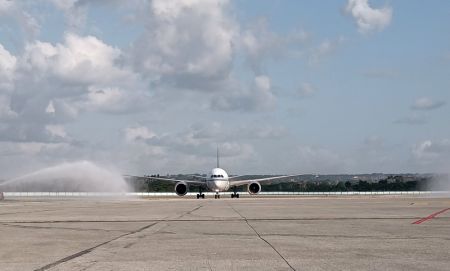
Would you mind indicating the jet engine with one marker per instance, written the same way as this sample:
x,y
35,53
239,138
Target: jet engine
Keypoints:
x,y
181,188
254,188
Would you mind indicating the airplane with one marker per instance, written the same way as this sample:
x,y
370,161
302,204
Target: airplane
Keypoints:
x,y
217,181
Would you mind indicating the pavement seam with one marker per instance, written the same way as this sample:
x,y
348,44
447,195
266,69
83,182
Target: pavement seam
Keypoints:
x,y
27,212
215,219
332,236
262,238
55,228
88,250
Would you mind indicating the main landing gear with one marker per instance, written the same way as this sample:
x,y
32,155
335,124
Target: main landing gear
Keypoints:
x,y
217,195
235,194
200,194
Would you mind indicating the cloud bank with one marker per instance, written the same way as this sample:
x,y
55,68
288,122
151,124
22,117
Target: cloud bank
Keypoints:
x,y
368,19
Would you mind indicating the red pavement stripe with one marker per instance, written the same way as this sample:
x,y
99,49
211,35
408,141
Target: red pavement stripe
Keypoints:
x,y
430,216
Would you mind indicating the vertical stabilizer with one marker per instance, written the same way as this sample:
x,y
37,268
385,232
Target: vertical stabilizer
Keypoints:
x,y
217,155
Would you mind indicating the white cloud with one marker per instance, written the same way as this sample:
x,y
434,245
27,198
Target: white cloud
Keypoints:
x,y
426,103
422,150
138,133
113,100
187,142
5,108
49,85
369,19
75,12
258,97
100,97
50,109
318,159
26,148
413,119
187,42
260,44
220,132
185,149
325,48
7,74
189,57
262,83
374,141
188,45
56,131
6,5
7,68
306,90
376,154
432,155
15,12
82,73
64,4
79,59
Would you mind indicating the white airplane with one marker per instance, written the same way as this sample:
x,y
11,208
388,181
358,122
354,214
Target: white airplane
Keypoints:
x,y
217,181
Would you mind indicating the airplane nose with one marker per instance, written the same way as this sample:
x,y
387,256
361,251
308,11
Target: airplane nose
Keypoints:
x,y
218,186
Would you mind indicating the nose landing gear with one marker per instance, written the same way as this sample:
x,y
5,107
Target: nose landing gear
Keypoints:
x,y
217,195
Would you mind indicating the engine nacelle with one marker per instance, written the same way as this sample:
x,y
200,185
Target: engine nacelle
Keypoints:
x,y
254,188
181,188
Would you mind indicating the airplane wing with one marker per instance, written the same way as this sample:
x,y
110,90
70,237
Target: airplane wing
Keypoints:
x,y
234,177
197,176
148,178
243,182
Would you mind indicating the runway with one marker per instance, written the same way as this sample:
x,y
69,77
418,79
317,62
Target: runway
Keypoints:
x,y
321,233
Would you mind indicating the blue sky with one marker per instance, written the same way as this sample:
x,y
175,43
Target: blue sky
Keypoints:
x,y
351,86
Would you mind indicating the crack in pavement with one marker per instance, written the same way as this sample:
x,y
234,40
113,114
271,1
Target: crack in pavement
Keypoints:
x,y
81,253
262,238
88,250
190,212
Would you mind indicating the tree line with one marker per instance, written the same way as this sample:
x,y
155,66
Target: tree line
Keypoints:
x,y
391,183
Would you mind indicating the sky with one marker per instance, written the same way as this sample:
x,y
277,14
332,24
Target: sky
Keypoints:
x,y
281,86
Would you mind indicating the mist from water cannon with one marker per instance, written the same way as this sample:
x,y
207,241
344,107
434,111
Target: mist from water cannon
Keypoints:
x,y
441,183
80,176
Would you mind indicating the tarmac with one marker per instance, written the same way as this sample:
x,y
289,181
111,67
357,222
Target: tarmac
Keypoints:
x,y
250,233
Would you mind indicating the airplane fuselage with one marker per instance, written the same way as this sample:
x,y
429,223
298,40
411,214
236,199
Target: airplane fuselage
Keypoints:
x,y
218,181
